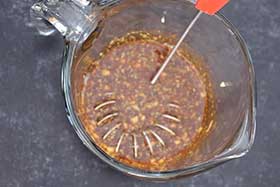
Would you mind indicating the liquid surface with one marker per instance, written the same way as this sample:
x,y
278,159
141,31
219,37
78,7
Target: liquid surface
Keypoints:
x,y
151,127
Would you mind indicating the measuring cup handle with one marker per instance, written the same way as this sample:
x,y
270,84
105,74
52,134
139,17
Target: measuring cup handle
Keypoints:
x,y
72,18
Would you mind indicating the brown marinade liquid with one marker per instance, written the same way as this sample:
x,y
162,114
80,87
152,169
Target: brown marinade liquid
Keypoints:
x,y
150,127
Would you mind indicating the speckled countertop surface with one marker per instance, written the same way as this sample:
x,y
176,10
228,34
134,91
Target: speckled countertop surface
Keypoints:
x,y
38,147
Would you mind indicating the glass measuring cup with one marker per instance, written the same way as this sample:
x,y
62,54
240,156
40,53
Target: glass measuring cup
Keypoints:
x,y
92,25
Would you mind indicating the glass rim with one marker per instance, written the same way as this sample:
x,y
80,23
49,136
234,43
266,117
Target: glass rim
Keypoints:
x,y
69,52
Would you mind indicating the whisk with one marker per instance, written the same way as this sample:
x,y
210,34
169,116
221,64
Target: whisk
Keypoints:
x,y
209,7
